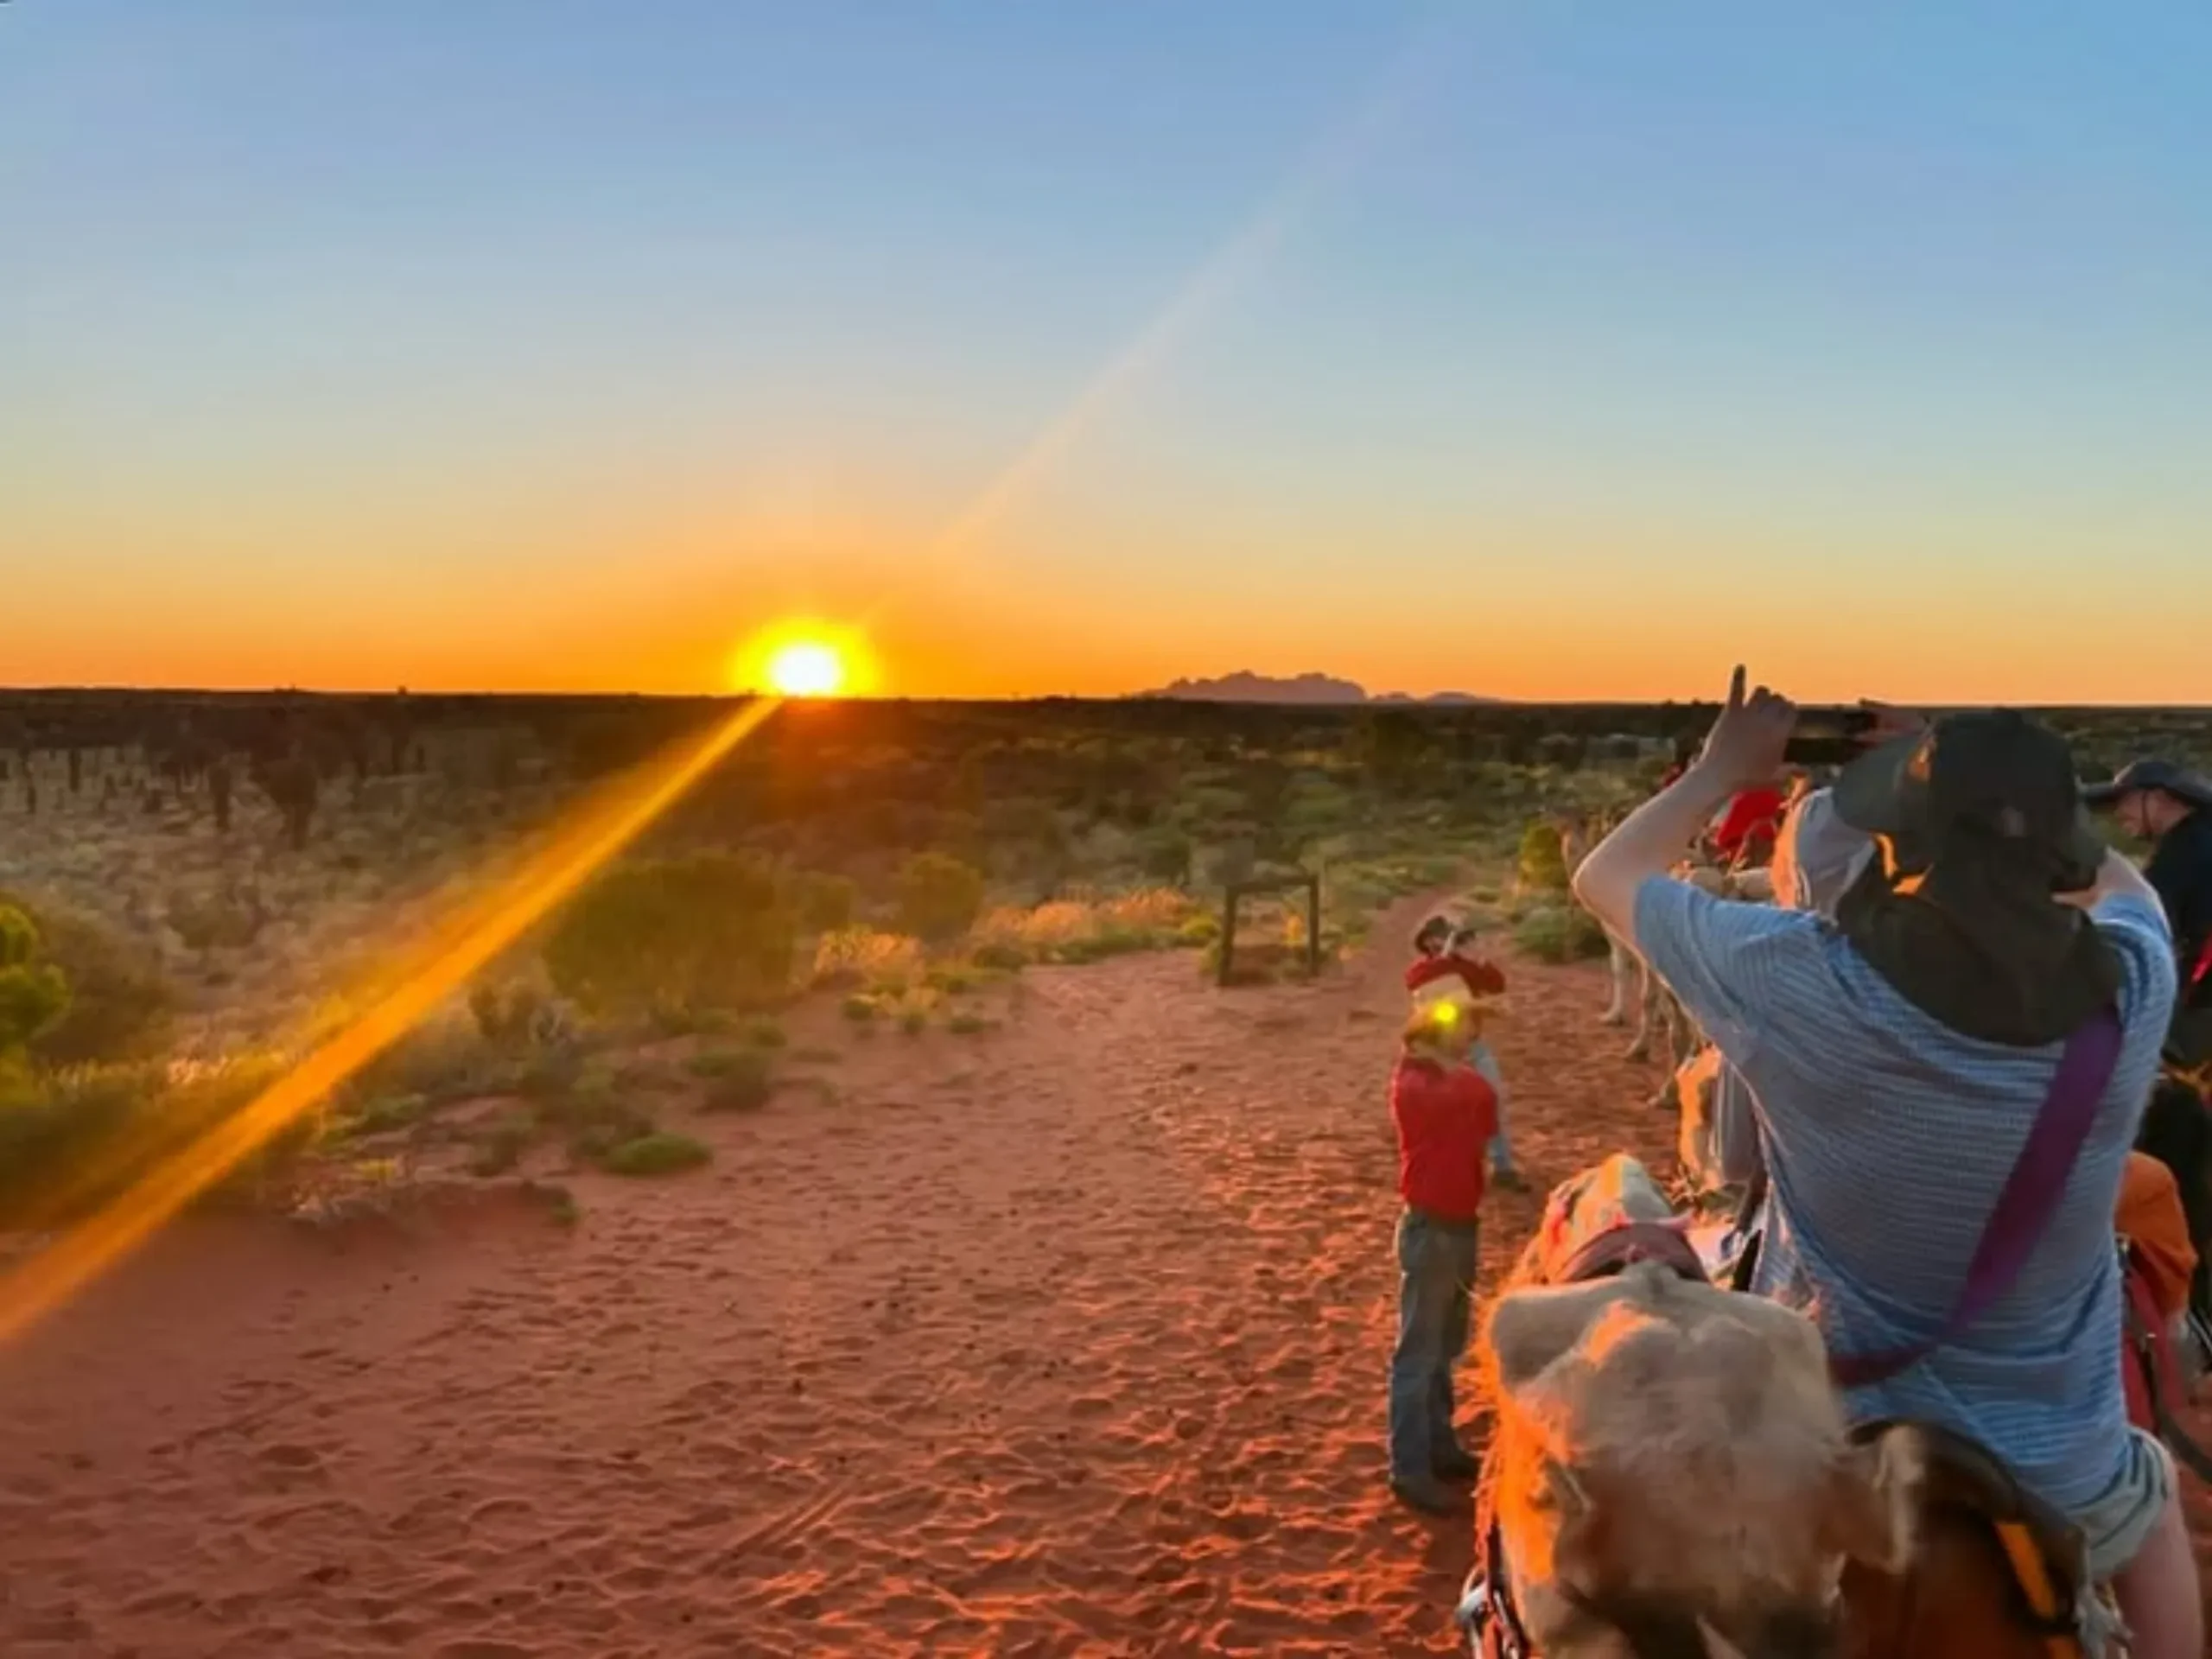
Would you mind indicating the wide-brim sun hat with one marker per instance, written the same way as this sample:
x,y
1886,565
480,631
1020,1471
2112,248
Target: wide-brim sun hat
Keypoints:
x,y
1997,771
2141,776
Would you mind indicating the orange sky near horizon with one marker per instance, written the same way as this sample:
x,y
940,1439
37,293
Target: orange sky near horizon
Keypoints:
x,y
1582,623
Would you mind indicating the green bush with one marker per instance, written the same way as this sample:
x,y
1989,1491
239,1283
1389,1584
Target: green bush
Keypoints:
x,y
824,903
72,1141
445,1059
741,1082
861,1010
503,1145
766,1034
1001,956
1542,865
1167,858
710,932
34,993
913,1022
1560,933
657,1153
940,897
594,1119
510,1017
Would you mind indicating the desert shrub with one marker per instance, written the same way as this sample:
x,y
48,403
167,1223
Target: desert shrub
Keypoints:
x,y
593,1118
1198,931
657,1152
73,1140
743,1079
824,903
861,1010
940,897
500,1147
746,1086
711,931
1080,929
1543,866
386,1113
510,1017
764,1034
119,1006
444,1058
913,1022
1167,858
854,955
1560,933
210,923
1001,956
34,993
967,1025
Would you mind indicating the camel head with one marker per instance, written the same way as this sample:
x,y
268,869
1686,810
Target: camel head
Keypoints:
x,y
1671,1455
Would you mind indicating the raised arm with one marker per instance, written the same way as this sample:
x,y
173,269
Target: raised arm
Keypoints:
x,y
1744,751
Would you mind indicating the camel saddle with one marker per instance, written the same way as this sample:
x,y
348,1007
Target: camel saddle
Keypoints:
x,y
2046,1552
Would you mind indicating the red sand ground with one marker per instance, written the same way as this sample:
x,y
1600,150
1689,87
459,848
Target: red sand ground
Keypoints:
x,y
1068,1339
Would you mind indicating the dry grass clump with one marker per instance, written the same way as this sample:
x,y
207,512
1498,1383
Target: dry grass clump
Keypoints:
x,y
1077,930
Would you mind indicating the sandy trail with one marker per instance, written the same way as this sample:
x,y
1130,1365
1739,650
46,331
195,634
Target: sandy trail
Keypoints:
x,y
1068,1339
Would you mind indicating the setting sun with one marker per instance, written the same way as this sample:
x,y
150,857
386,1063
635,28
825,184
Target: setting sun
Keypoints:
x,y
806,668
806,658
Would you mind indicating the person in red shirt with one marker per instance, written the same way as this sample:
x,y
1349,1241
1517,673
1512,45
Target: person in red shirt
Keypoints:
x,y
1748,829
1445,1113
1456,943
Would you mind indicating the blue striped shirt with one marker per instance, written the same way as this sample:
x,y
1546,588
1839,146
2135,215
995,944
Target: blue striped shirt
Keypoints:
x,y
1888,1137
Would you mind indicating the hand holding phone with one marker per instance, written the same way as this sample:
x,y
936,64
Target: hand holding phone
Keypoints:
x,y
1830,737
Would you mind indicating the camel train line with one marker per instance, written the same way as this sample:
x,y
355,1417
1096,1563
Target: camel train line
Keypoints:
x,y
1673,1473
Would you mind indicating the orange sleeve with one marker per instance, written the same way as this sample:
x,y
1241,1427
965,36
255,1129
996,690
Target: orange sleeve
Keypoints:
x,y
2150,1217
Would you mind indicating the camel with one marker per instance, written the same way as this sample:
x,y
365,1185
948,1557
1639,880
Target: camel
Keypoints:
x,y
1672,1474
1658,1011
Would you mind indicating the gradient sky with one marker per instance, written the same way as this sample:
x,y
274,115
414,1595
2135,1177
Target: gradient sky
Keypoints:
x,y
1537,350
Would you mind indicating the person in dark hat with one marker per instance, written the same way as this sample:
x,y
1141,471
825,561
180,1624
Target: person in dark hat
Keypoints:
x,y
2171,807
1897,1057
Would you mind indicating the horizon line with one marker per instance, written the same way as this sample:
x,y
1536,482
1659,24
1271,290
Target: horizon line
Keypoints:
x,y
1443,701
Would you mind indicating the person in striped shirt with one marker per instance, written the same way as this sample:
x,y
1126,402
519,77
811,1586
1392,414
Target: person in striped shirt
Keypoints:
x,y
1897,1057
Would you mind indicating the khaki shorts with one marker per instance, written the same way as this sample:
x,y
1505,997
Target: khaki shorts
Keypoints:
x,y
2117,1525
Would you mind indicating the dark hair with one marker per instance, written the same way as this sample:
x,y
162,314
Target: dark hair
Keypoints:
x,y
1433,936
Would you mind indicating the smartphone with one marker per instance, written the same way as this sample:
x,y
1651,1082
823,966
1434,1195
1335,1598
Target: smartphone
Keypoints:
x,y
1828,737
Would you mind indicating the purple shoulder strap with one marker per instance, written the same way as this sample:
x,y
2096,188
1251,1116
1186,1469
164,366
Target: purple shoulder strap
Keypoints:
x,y
2026,1205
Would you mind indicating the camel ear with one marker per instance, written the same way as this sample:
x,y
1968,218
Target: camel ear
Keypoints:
x,y
1874,1501
1530,1330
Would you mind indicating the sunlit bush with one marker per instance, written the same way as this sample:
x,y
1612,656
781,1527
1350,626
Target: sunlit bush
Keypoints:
x,y
33,994
119,1005
851,955
712,931
1542,865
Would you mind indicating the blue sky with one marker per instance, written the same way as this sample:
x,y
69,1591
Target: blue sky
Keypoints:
x,y
1542,350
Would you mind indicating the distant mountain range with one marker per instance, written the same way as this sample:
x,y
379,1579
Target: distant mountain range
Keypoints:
x,y
1246,687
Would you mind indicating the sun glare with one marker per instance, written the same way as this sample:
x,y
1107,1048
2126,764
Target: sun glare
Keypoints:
x,y
804,657
806,668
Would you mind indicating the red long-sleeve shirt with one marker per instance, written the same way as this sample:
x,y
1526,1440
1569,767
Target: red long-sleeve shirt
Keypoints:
x,y
1753,817
1445,1116
1483,978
